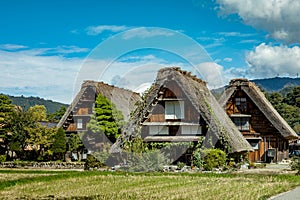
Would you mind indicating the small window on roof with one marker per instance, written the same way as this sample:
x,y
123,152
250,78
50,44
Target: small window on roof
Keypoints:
x,y
241,103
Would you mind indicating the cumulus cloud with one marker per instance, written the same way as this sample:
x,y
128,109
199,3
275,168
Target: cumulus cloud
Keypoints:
x,y
268,61
280,18
28,72
96,30
212,73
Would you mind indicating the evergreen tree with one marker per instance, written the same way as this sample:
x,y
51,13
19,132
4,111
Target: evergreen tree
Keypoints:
x,y
107,119
59,143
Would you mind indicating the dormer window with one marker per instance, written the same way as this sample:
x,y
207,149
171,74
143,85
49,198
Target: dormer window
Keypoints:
x,y
241,104
174,110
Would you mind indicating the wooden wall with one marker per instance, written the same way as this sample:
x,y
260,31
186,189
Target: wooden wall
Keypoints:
x,y
261,127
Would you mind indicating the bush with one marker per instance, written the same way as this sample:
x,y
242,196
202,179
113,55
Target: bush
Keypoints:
x,y
197,159
91,162
2,158
214,158
295,165
152,161
180,165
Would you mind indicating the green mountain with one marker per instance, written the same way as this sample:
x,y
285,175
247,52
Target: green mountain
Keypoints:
x,y
27,102
283,85
277,83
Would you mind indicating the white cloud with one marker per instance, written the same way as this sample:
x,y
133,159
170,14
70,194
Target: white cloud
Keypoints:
x,y
236,34
25,72
96,30
281,18
144,32
268,61
12,47
227,59
212,74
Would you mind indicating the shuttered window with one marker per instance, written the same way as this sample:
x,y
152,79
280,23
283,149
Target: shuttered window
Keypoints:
x,y
191,130
242,123
174,109
79,123
158,130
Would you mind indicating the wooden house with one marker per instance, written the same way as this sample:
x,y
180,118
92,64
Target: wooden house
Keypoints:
x,y
79,113
258,121
180,108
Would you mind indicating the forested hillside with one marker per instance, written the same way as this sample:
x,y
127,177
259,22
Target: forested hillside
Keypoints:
x,y
27,102
277,83
288,106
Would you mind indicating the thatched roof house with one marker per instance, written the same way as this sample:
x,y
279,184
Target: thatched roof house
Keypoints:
x,y
79,112
257,119
181,108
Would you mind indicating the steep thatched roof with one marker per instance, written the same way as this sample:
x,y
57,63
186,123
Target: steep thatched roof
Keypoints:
x,y
123,99
201,99
261,102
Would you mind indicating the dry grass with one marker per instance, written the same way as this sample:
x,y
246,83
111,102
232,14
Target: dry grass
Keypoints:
x,y
101,185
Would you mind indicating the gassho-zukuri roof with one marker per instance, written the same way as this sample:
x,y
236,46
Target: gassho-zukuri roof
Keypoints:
x,y
259,99
123,99
202,100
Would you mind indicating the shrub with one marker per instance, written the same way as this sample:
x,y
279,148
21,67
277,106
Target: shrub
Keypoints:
x,y
152,161
180,165
197,159
2,158
295,165
91,162
214,158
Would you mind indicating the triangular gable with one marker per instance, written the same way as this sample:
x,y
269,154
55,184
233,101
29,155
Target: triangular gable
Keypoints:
x,y
202,100
259,99
123,99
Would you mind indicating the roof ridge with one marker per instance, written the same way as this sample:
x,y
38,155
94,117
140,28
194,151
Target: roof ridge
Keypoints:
x,y
87,83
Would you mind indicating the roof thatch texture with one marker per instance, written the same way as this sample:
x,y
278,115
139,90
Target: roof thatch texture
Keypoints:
x,y
259,99
201,99
123,99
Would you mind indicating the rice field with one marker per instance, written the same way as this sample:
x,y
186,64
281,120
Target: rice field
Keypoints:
x,y
28,184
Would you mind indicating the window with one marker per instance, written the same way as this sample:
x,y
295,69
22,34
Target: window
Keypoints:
x,y
174,110
158,130
79,124
241,104
254,144
242,123
191,130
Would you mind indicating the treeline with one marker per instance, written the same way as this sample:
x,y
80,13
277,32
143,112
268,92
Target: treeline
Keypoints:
x,y
26,134
287,103
27,102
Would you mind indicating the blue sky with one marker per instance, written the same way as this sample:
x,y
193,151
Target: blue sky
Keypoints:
x,y
47,48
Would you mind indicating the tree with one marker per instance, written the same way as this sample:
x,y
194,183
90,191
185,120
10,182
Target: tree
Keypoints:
x,y
293,97
38,113
6,109
57,115
59,143
75,144
21,124
107,119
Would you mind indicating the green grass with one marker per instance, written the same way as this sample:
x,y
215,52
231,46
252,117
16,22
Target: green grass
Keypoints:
x,y
28,184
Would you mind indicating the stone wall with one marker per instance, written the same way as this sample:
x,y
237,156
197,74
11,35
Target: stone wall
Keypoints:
x,y
42,165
